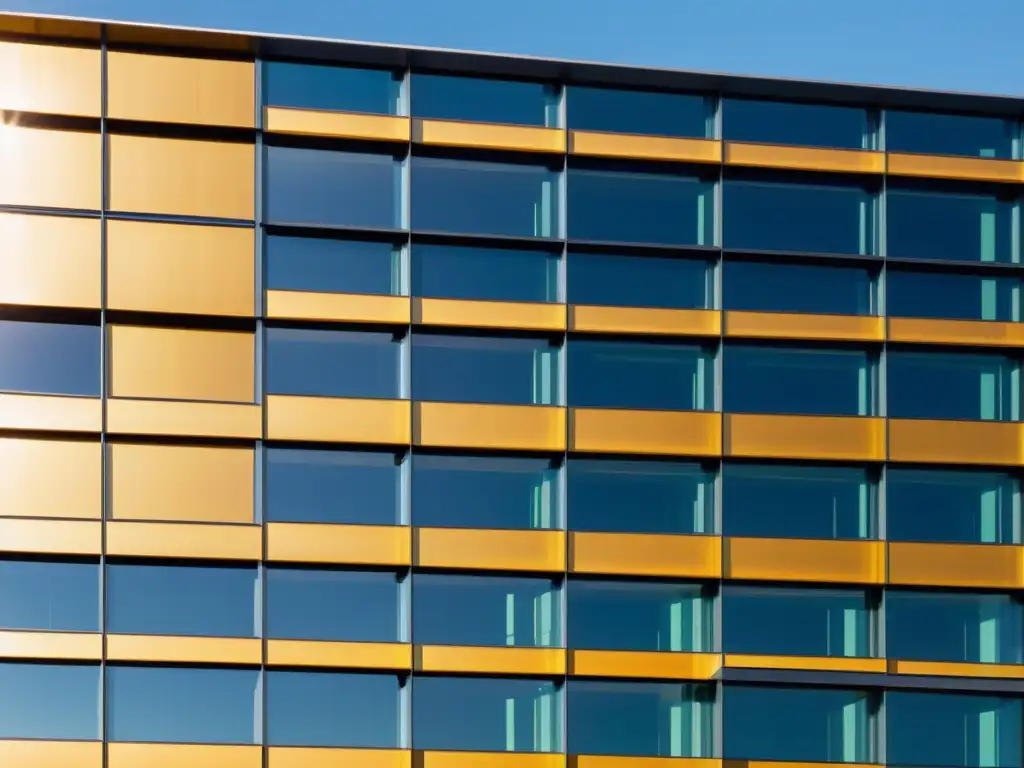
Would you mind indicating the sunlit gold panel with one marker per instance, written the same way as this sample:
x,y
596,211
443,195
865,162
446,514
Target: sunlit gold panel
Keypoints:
x,y
338,307
842,438
543,662
339,420
184,650
489,314
51,413
522,138
51,754
50,79
27,484
645,664
509,427
641,320
671,433
182,177
341,125
642,554
780,325
955,442
943,167
852,562
319,757
180,364
638,147
316,653
51,645
804,158
182,268
497,550
184,419
344,544
807,663
175,37
957,669
202,541
956,565
130,755
488,760
610,761
176,89
50,169
51,261
50,537
974,332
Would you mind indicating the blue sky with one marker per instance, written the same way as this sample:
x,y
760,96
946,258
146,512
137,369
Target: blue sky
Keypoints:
x,y
958,45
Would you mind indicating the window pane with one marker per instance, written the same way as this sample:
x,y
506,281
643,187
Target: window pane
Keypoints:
x,y
509,199
622,207
824,382
182,705
49,701
482,714
50,358
798,724
62,596
797,502
933,385
315,486
486,610
332,266
619,280
638,616
760,286
639,374
330,709
639,112
476,492
333,363
639,496
936,134
345,89
343,189
814,218
951,296
639,719
952,506
351,606
809,125
447,97
498,274
482,369
796,622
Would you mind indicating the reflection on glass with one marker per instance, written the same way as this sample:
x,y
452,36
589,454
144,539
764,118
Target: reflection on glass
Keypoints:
x,y
608,279
332,266
640,112
480,100
935,134
333,363
809,125
50,358
63,596
762,286
344,89
496,274
49,701
935,385
953,296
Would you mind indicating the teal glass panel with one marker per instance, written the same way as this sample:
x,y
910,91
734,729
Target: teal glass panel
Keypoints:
x,y
791,380
781,621
332,266
809,125
638,616
621,280
954,730
488,274
769,286
952,506
481,714
342,605
639,496
484,492
333,709
808,725
344,89
52,595
49,701
639,719
182,600
620,207
196,705
640,374
320,363
480,100
935,134
936,385
798,502
952,296
655,113
50,358
509,611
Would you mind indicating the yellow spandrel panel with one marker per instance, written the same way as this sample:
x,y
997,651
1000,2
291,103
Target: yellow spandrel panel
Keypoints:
x,y
64,646
131,755
853,562
806,663
641,554
956,442
503,427
948,167
50,537
839,438
51,754
669,433
179,418
609,761
804,158
338,307
782,325
27,484
450,133
661,665
51,28
633,146
488,760
458,659
50,169
201,541
323,757
339,655
339,420
387,545
489,314
341,125
956,565
500,550
46,413
646,321
972,332
184,650
50,79
957,669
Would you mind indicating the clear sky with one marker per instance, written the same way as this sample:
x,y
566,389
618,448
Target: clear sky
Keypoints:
x,y
957,45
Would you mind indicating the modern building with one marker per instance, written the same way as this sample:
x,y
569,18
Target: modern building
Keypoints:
x,y
378,407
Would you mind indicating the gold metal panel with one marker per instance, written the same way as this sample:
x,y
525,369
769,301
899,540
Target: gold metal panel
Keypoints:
x,y
182,177
488,760
670,433
507,427
610,761
176,37
489,314
202,541
639,147
51,754
51,261
504,550
179,364
643,554
185,650
175,89
338,307
182,268
345,544
50,169
184,419
86,646
543,662
843,438
341,125
50,537
321,757
851,562
971,168
181,482
780,325
957,669
955,442
975,332
339,420
647,321
53,28
956,565
804,158
318,653
660,665
50,79
811,663
51,413
27,483
131,755
522,138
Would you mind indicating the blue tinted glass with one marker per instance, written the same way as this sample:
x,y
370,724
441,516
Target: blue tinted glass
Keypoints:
x,y
49,701
619,280
643,112
936,134
182,705
949,227
448,97
952,296
619,207
761,286
791,502
332,266
483,198
332,363
449,492
181,600
810,125
639,496
812,218
822,382
62,596
50,358
346,89
315,486
330,709
498,274
481,714
345,189
934,385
